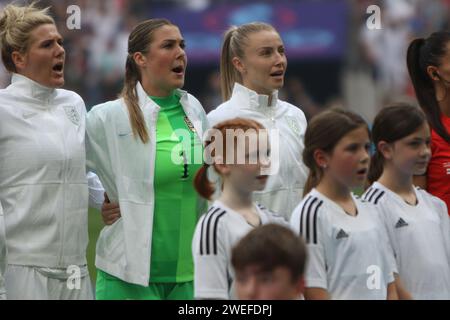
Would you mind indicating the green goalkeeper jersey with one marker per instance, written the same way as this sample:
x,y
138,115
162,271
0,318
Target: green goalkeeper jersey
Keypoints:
x,y
176,202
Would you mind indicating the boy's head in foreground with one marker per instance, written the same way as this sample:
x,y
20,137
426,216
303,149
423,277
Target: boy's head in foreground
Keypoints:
x,y
269,263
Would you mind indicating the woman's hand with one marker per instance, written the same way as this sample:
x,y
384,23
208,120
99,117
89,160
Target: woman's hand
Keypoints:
x,y
110,211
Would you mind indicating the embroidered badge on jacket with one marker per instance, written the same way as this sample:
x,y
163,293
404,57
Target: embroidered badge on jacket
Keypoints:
x,y
292,123
72,114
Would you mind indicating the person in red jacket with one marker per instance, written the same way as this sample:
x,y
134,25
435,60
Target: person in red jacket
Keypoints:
x,y
429,68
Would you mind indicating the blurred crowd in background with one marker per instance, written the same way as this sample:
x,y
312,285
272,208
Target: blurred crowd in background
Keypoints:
x,y
369,72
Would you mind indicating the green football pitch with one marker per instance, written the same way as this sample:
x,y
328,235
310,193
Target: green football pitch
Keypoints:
x,y
95,225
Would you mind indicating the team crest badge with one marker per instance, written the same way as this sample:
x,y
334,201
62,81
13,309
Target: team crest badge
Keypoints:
x,y
189,124
293,124
72,114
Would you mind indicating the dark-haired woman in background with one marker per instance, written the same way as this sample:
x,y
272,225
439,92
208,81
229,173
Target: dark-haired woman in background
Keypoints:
x,y
429,68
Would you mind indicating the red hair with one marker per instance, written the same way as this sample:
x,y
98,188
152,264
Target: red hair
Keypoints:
x,y
202,184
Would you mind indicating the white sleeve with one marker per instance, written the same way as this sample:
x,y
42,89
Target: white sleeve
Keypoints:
x,y
302,120
445,225
390,257
390,260
3,255
210,262
96,191
97,152
94,139
98,156
316,266
213,117
295,219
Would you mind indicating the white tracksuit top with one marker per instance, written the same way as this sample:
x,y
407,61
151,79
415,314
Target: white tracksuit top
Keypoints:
x,y
43,185
126,168
2,254
284,189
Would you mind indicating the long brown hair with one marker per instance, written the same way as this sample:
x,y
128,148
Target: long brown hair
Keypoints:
x,y
392,123
324,131
421,54
202,184
139,41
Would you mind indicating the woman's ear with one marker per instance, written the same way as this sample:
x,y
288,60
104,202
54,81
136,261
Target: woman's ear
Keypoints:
x,y
433,73
386,149
220,166
321,158
237,63
140,59
222,169
19,60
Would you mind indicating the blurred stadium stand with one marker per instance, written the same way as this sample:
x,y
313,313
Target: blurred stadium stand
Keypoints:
x,y
333,58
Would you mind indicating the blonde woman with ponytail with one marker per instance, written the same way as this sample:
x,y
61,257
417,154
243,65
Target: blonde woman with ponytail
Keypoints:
x,y
43,185
146,147
253,65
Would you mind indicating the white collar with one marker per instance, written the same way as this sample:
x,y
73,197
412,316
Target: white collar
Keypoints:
x,y
33,89
144,98
255,100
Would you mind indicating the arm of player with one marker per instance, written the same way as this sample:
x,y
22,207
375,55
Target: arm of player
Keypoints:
x,y
315,274
96,191
110,211
392,291
211,277
445,226
316,294
402,293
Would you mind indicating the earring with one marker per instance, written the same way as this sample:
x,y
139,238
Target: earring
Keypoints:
x,y
324,166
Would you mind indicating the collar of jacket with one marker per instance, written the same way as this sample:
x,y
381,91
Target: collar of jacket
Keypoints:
x,y
30,88
150,108
255,101
145,100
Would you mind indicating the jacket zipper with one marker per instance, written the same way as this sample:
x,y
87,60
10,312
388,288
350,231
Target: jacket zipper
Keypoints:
x,y
64,171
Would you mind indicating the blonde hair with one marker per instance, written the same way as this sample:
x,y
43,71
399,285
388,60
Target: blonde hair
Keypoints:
x,y
139,41
16,24
235,39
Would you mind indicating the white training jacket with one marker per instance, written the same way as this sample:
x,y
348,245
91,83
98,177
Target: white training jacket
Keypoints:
x,y
284,189
126,168
43,185
2,255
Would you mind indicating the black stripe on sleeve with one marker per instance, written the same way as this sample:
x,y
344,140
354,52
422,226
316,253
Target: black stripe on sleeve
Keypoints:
x,y
307,219
367,194
215,230
315,221
373,194
211,215
379,197
203,228
301,215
